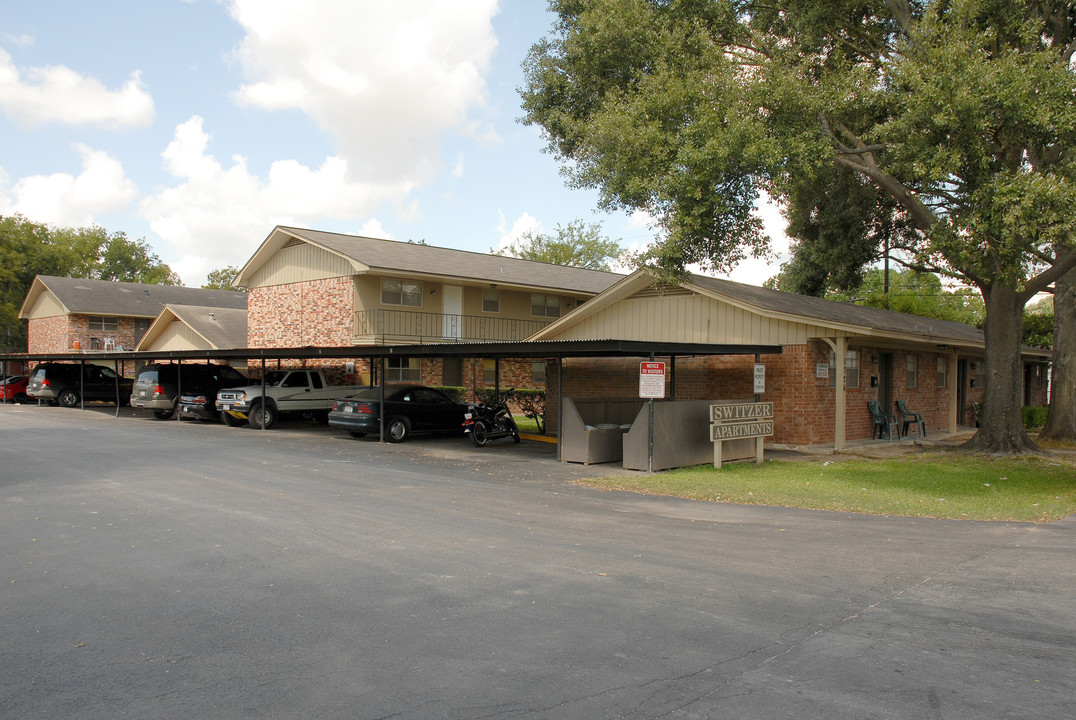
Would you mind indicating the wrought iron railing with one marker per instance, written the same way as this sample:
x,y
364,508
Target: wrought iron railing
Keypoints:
x,y
386,326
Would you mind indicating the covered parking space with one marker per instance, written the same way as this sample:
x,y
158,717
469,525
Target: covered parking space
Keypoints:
x,y
553,350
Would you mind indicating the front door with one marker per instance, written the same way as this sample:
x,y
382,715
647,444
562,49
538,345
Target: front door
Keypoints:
x,y
452,307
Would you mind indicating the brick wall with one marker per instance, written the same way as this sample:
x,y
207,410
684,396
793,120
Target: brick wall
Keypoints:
x,y
317,312
804,404
59,334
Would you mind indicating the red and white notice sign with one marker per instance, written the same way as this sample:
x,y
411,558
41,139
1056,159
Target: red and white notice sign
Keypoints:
x,y
652,380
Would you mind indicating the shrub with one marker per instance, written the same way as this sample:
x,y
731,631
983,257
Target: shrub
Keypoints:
x,y
453,391
1034,417
532,404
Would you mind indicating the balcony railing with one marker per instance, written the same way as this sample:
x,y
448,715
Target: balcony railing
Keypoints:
x,y
389,326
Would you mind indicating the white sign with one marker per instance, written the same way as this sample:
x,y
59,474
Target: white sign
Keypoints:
x,y
760,378
652,380
821,370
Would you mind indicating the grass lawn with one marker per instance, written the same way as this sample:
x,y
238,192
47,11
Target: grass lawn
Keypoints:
x,y
935,484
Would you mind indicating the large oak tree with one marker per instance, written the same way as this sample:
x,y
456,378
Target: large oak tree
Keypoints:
x,y
960,113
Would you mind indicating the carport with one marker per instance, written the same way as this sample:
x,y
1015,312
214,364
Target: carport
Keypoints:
x,y
557,350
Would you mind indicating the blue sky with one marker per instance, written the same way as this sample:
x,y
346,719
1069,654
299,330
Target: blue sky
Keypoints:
x,y
199,125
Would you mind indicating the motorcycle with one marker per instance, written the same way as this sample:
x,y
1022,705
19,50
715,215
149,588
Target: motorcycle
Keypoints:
x,y
488,422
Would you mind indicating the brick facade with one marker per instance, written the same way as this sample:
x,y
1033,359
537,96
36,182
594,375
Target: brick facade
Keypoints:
x,y
804,404
59,334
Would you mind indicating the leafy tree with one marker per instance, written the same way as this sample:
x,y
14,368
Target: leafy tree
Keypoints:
x,y
959,114
918,294
28,249
222,278
576,244
1061,420
1039,323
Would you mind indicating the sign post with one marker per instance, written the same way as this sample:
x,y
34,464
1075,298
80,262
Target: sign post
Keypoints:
x,y
651,387
733,421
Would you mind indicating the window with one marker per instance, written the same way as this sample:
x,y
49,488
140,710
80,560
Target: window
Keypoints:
x,y
104,324
943,370
545,305
909,376
491,300
395,291
398,369
851,369
538,372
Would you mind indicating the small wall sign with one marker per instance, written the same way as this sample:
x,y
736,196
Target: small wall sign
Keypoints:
x,y
652,380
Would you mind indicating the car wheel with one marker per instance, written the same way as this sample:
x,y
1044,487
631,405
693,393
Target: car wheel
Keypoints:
x,y
263,416
478,434
356,433
230,420
67,398
397,430
22,398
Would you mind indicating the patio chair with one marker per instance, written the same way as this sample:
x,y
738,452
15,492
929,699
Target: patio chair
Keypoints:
x,y
909,417
883,423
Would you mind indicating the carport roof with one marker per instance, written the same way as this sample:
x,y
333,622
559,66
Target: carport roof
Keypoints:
x,y
523,349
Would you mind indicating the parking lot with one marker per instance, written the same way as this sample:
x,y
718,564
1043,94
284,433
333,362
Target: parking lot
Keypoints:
x,y
178,570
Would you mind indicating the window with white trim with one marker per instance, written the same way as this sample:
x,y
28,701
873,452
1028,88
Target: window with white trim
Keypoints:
x,y
851,369
403,370
943,371
491,300
104,324
396,291
543,305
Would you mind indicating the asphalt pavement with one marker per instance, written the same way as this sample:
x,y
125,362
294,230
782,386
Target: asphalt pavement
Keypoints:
x,y
187,570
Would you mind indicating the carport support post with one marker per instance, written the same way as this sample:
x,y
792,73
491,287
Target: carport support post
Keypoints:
x,y
560,407
381,399
263,392
179,385
81,384
117,366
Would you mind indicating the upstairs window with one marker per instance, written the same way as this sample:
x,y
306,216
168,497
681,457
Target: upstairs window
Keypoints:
x,y
104,324
545,305
395,291
491,300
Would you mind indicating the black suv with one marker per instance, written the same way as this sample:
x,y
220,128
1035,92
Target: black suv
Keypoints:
x,y
59,383
158,385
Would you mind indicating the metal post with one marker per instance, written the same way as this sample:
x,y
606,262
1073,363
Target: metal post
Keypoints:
x,y
179,385
650,431
560,407
116,365
81,384
263,391
496,380
381,399
758,359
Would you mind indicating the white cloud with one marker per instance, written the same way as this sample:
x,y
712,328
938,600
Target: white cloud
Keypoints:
x,y
387,80
217,215
19,40
70,200
372,228
58,94
525,223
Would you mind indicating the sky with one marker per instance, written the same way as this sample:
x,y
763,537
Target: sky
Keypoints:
x,y
200,125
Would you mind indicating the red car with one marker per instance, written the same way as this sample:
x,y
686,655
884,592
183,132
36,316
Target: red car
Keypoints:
x,y
13,389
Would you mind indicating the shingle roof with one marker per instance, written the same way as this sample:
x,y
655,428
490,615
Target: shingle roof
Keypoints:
x,y
829,311
106,297
402,257
223,328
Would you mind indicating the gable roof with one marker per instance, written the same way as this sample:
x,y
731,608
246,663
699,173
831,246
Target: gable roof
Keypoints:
x,y
125,299
376,256
776,304
220,328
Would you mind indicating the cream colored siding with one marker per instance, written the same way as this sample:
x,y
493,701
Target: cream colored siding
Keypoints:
x,y
46,306
177,336
300,263
688,318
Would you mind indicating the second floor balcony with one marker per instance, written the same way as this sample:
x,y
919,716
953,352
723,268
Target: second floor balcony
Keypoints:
x,y
381,327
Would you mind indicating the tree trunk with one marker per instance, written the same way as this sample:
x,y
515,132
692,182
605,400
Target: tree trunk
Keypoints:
x,y
1061,420
1001,428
